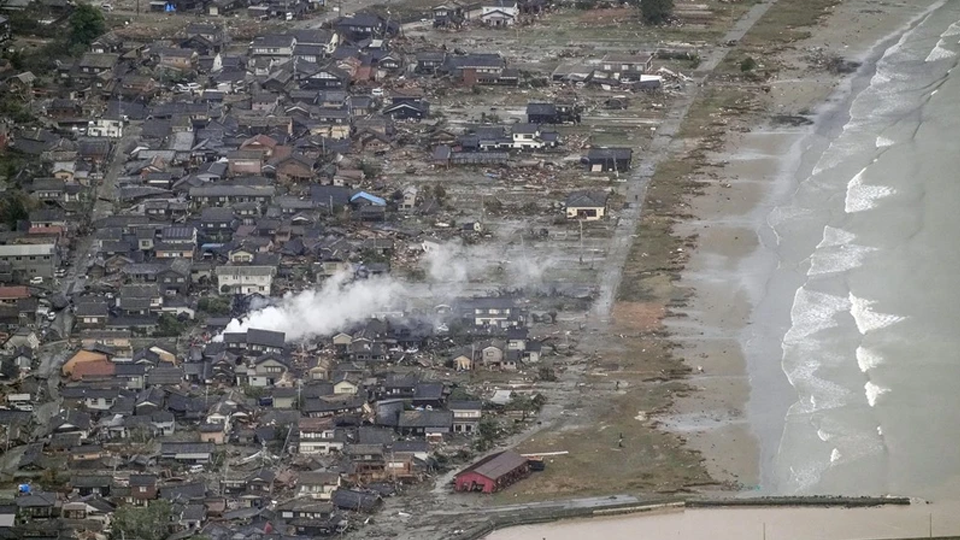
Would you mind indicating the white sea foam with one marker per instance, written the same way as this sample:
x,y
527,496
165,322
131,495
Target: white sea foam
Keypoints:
x,y
821,394
812,312
861,196
807,476
824,436
833,236
867,359
835,456
866,318
880,431
873,392
952,30
883,142
838,259
940,53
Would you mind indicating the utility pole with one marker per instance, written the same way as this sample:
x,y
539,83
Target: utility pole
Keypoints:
x,y
580,221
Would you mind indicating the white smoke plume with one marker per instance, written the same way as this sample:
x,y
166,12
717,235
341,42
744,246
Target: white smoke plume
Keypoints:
x,y
341,302
338,304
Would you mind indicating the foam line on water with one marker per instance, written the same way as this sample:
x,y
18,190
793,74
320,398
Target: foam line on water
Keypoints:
x,y
861,196
884,142
867,359
866,318
832,236
838,259
812,312
940,53
873,392
952,30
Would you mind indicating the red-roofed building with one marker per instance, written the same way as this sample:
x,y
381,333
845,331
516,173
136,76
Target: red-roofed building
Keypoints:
x,y
10,295
493,473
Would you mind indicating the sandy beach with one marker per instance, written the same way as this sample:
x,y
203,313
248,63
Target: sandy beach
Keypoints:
x,y
915,521
750,175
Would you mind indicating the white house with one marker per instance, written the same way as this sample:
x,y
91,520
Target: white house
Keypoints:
x,y
105,127
499,12
318,436
245,279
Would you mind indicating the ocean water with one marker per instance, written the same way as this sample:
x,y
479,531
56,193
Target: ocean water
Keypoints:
x,y
867,246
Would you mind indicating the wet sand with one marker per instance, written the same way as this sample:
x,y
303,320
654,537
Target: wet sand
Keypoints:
x,y
727,278
913,521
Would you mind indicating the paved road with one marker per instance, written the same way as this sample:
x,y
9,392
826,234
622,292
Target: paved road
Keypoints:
x,y
438,517
664,145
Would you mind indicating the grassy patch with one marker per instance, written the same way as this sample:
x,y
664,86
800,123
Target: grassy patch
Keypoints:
x,y
786,22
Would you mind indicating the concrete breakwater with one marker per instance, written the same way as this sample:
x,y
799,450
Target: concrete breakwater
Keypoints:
x,y
618,506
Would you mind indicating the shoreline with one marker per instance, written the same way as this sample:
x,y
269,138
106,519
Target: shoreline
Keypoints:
x,y
890,521
831,119
743,394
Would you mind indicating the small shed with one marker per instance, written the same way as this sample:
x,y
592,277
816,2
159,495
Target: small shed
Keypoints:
x,y
493,473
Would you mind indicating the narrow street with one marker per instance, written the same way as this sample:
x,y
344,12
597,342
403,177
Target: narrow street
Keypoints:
x,y
104,197
52,355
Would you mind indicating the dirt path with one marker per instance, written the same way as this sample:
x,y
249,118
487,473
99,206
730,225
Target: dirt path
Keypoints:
x,y
664,145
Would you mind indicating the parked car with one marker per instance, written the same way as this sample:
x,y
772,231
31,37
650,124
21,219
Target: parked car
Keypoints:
x,y
36,280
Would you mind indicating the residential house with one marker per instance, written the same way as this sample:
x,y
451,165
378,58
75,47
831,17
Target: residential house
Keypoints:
x,y
614,160
431,424
212,433
142,488
273,46
30,260
408,110
38,505
91,314
318,436
498,312
448,14
318,485
93,65
187,452
266,370
586,205
499,12
365,25
175,59
553,113
466,416
233,279
623,64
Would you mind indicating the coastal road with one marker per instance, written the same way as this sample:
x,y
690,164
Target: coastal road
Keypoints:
x,y
664,145
432,519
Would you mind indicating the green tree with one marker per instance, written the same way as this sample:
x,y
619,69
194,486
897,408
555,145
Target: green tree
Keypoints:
x,y
439,193
169,326
214,305
656,11
487,433
748,64
151,522
86,25
14,207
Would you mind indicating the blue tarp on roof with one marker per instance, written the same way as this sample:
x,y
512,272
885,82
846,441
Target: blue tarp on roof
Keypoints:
x,y
372,199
